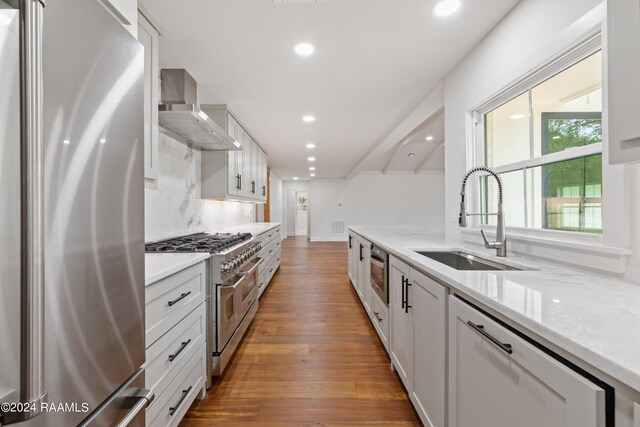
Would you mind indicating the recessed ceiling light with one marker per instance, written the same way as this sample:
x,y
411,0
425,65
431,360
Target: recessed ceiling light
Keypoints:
x,y
446,7
429,138
311,159
312,175
311,146
103,141
304,49
312,168
308,119
66,141
295,178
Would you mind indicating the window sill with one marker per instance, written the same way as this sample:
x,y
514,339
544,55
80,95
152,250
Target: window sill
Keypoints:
x,y
585,252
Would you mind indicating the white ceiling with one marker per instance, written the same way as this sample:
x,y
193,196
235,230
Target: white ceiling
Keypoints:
x,y
375,61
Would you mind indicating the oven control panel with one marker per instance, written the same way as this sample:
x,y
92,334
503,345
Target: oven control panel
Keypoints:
x,y
237,261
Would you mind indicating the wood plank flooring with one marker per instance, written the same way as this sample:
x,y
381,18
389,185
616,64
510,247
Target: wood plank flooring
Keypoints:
x,y
311,356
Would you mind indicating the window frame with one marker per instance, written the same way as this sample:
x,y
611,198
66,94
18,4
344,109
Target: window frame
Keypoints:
x,y
537,76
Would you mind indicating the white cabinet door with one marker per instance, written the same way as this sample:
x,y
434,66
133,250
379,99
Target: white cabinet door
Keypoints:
x,y
350,251
366,274
356,261
149,37
401,325
623,42
498,379
428,308
233,178
262,175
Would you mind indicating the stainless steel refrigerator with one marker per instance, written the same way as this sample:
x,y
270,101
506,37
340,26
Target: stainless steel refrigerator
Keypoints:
x,y
72,216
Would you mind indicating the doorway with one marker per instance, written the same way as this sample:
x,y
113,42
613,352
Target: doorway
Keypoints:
x,y
297,212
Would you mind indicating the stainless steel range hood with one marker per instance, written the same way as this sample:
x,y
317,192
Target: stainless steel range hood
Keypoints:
x,y
180,117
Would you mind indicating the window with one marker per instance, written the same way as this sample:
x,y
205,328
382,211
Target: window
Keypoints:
x,y
545,141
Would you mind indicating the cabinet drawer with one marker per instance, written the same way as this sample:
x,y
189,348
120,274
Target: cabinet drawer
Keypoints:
x,y
171,405
170,300
268,250
380,319
523,382
169,355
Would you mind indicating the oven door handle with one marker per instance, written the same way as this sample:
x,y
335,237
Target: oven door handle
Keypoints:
x,y
250,271
377,263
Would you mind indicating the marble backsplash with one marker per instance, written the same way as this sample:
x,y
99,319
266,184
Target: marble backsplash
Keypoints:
x,y
175,207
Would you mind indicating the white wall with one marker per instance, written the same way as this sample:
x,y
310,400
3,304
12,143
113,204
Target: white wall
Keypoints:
x,y
175,207
633,272
372,198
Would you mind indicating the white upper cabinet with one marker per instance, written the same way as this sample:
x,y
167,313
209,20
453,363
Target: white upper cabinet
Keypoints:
x,y
148,36
236,175
623,45
125,11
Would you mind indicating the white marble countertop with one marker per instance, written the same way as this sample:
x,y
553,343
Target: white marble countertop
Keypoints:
x,y
595,318
254,228
158,266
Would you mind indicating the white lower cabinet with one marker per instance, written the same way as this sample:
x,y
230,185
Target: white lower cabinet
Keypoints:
x,y
417,309
498,379
401,322
175,365
350,251
636,415
170,406
364,275
271,241
428,301
380,319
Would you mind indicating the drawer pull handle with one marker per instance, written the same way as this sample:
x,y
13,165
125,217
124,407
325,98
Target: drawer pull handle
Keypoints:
x,y
180,298
375,313
480,329
185,393
184,345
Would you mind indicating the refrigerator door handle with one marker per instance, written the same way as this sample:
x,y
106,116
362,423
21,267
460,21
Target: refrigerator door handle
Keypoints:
x,y
32,389
145,398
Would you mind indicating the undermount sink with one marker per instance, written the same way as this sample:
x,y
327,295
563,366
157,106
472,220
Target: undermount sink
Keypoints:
x,y
464,261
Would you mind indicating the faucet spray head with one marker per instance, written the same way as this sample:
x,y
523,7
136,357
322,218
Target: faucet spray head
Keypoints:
x,y
462,218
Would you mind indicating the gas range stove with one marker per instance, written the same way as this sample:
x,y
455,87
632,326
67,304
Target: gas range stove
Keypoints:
x,y
199,242
229,252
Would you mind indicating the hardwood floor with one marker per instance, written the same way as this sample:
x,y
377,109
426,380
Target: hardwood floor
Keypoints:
x,y
311,356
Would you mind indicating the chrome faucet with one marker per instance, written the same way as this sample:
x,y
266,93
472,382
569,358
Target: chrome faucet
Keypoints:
x,y
500,244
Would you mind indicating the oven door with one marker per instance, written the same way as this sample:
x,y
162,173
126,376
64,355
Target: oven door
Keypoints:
x,y
227,310
247,292
379,282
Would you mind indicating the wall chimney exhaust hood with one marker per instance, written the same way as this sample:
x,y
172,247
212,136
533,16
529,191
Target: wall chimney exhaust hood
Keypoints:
x,y
180,117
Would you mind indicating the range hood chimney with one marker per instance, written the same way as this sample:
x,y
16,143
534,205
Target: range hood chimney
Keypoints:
x,y
180,117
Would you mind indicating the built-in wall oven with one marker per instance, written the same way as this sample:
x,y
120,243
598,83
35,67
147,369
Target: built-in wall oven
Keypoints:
x,y
380,273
